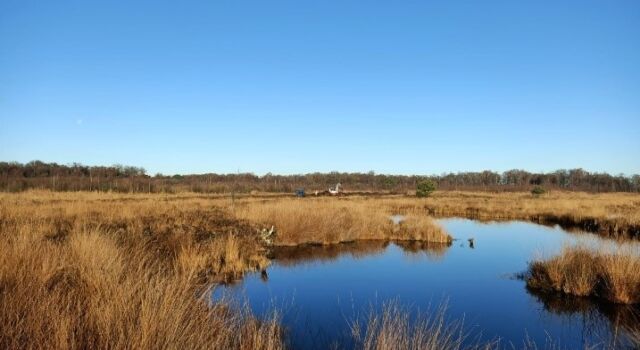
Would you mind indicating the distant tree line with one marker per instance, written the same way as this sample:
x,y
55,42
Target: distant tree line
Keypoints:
x,y
16,177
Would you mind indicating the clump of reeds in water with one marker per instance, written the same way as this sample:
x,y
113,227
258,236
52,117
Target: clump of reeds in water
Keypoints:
x,y
396,327
419,228
611,274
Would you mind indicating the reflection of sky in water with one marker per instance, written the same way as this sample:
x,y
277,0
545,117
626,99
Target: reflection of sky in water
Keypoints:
x,y
327,288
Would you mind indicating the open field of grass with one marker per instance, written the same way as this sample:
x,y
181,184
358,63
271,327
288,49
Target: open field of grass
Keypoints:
x,y
610,214
89,270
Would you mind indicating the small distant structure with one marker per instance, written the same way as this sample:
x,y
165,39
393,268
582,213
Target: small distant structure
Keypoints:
x,y
300,192
335,190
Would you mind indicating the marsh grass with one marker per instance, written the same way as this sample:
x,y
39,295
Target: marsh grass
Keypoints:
x,y
611,214
584,271
124,276
104,270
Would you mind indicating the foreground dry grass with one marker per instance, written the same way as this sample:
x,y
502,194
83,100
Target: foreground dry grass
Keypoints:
x,y
123,275
582,271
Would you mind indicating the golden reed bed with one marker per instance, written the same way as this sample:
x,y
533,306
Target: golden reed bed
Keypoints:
x,y
100,270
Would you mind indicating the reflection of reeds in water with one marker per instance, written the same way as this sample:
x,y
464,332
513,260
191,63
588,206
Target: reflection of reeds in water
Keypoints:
x,y
416,249
610,325
309,253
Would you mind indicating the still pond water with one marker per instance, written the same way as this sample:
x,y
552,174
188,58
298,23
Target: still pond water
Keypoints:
x,y
320,290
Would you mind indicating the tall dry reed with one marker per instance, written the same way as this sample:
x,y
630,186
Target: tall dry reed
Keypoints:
x,y
395,327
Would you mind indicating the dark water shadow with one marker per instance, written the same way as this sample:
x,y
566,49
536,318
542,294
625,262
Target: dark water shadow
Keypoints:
x,y
616,326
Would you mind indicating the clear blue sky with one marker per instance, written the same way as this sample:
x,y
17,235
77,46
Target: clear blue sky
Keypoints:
x,y
412,87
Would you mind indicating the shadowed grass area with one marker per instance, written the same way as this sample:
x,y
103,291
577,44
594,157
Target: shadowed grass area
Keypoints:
x,y
582,271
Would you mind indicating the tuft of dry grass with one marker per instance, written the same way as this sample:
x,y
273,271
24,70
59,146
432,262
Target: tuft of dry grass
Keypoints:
x,y
393,328
583,271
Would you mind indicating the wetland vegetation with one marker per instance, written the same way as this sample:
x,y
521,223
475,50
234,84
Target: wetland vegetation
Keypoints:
x,y
110,270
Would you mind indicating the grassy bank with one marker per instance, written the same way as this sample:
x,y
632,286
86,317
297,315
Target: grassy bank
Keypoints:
x,y
614,215
582,271
330,221
609,214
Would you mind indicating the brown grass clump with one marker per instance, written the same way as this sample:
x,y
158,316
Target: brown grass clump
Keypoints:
x,y
332,221
581,271
419,228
